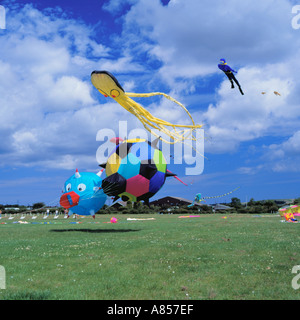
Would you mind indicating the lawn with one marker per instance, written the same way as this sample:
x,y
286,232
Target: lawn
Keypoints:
x,y
240,257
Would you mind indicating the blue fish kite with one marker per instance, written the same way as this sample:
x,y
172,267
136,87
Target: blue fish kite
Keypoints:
x,y
82,194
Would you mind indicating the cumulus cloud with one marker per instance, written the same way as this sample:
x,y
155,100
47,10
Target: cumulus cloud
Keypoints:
x,y
284,156
49,111
189,37
49,108
236,118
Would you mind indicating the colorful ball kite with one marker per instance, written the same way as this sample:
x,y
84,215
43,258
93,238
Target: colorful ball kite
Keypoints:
x,y
113,220
82,194
136,170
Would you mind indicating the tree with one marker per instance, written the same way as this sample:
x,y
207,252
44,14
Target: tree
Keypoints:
x,y
297,201
251,202
38,205
270,205
235,203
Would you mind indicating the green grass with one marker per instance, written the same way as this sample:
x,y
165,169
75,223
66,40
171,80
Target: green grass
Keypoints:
x,y
241,257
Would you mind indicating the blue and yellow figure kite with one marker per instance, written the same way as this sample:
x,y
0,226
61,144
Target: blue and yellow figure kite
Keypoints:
x,y
229,73
109,86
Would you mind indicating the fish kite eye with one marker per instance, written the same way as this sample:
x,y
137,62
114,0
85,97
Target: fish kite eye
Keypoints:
x,y
68,187
81,187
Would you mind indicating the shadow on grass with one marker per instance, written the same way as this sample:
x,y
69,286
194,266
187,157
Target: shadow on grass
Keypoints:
x,y
95,230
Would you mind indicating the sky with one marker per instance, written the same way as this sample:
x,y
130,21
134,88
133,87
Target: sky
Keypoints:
x,y
51,116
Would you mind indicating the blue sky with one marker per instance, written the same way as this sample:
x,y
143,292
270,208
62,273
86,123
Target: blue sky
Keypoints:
x,y
50,113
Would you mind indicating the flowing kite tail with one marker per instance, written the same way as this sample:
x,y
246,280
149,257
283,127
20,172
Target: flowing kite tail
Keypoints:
x,y
223,195
151,94
176,177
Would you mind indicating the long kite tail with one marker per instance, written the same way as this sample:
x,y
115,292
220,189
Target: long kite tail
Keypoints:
x,y
177,132
174,175
151,94
223,195
109,86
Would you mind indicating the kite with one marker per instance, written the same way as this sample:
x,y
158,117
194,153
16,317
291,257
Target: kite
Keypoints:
x,y
275,92
136,170
109,86
82,194
140,219
289,217
197,216
288,212
229,73
113,220
198,197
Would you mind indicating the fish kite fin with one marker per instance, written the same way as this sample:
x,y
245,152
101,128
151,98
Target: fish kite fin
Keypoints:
x,y
171,174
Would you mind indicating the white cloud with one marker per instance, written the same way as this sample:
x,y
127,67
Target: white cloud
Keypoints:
x,y
49,104
190,37
121,64
116,6
49,115
69,92
236,118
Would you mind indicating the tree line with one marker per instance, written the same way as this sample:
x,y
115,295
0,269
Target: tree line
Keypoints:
x,y
236,206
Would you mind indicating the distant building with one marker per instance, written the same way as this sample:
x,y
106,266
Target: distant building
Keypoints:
x,y
119,204
220,207
12,209
284,202
173,201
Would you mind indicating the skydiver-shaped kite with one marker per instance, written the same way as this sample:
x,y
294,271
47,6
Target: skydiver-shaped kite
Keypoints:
x,y
229,73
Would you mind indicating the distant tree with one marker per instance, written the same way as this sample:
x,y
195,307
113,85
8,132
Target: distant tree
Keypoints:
x,y
206,209
270,205
274,208
244,210
235,203
251,202
38,205
297,201
259,209
130,204
22,208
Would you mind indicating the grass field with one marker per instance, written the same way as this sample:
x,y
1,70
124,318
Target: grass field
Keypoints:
x,y
169,258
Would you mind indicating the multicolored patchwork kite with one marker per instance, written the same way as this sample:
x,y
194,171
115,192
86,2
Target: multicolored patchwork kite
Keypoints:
x,y
136,170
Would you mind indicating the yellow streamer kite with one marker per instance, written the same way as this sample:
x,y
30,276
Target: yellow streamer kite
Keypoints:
x,y
109,86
